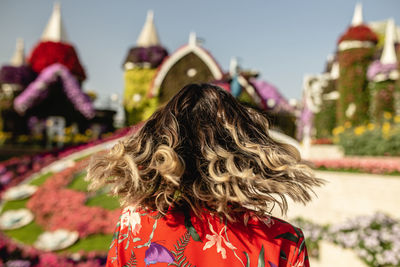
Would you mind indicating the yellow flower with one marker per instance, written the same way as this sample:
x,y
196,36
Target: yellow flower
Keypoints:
x,y
387,115
338,130
359,130
347,124
371,126
397,119
386,128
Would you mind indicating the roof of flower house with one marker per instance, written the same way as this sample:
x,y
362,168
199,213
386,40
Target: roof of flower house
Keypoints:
x,y
192,49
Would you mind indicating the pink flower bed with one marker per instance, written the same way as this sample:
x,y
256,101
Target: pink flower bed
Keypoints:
x,y
15,170
15,254
368,165
57,207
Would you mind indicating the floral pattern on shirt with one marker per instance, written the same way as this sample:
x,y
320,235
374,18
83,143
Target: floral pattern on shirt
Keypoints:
x,y
180,239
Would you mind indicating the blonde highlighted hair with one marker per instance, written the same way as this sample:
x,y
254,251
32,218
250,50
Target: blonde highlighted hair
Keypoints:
x,y
204,150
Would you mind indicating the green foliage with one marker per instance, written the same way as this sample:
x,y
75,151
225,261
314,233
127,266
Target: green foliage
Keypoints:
x,y
382,99
325,119
138,106
41,179
79,183
97,242
14,205
27,234
103,201
352,84
371,140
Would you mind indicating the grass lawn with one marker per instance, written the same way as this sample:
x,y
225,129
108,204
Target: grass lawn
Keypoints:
x,y
104,201
41,179
98,242
14,205
27,234
79,183
396,173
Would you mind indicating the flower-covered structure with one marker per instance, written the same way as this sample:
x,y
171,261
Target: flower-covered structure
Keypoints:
x,y
361,81
140,67
382,75
356,49
13,80
43,95
189,64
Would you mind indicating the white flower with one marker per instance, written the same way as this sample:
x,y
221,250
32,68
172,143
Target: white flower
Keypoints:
x,y
130,218
217,239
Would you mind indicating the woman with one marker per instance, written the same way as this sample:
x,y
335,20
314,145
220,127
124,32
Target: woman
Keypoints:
x,y
198,182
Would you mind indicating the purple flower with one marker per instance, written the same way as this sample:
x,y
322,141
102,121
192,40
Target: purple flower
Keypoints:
x,y
38,90
18,263
22,75
377,67
157,253
270,93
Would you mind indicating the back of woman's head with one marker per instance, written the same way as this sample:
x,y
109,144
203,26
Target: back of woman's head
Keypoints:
x,y
204,150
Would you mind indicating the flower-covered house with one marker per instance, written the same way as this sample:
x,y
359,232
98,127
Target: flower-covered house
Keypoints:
x,y
47,91
360,83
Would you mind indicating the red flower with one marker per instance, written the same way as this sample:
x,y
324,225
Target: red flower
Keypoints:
x,y
359,33
48,53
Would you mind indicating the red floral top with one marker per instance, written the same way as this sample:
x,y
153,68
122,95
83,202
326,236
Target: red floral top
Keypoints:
x,y
182,239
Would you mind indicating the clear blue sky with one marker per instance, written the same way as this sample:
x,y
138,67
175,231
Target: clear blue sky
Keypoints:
x,y
282,39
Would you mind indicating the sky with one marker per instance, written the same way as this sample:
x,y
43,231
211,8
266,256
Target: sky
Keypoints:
x,y
283,40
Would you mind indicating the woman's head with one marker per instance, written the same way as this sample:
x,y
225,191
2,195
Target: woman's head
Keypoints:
x,y
203,149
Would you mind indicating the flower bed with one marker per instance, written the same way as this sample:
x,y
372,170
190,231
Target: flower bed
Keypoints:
x,y
370,139
15,170
70,213
368,165
375,239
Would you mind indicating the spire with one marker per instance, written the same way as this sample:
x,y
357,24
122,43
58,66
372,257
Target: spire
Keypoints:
x,y
389,54
233,66
19,56
192,39
358,16
148,36
55,30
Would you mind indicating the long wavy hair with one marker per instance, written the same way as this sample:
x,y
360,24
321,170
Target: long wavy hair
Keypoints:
x,y
206,151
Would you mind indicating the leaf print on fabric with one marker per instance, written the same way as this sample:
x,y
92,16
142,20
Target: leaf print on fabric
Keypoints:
x,y
180,246
157,253
282,254
288,236
132,261
216,239
248,259
300,262
131,219
261,261
189,226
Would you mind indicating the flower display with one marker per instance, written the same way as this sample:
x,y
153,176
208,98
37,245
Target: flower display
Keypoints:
x,y
48,53
38,90
368,165
371,139
53,214
22,75
150,57
359,33
272,99
374,238
377,67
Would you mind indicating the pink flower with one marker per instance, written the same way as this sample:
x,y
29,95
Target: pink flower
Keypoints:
x,y
217,239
